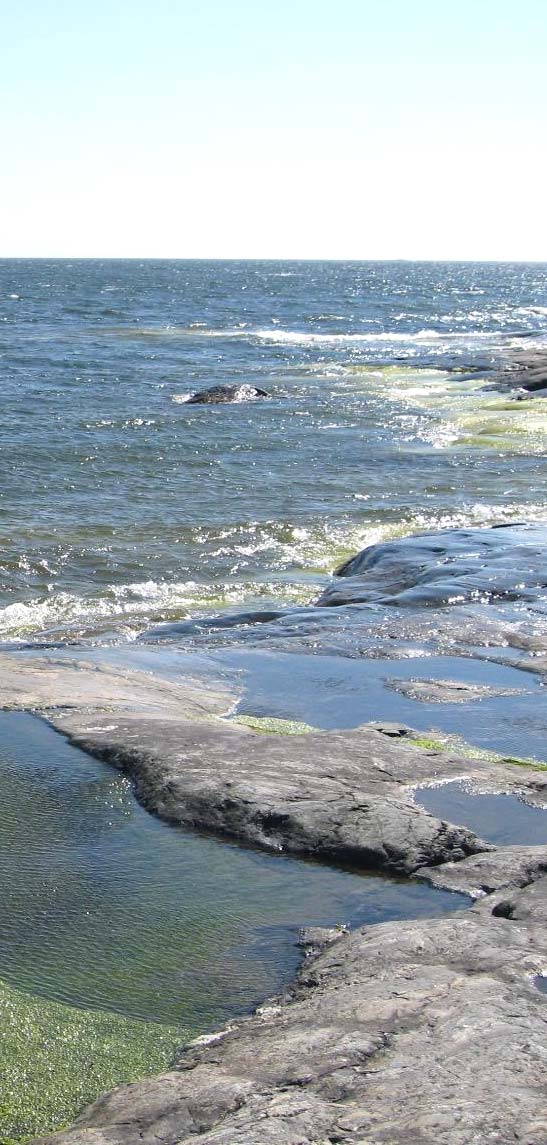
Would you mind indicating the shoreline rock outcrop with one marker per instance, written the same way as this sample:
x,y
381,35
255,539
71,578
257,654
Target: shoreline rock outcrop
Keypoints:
x,y
504,562
525,373
430,1031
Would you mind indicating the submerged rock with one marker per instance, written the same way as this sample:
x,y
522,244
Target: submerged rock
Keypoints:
x,y
447,691
454,566
215,395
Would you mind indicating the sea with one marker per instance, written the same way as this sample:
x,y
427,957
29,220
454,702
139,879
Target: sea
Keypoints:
x,y
193,540
122,507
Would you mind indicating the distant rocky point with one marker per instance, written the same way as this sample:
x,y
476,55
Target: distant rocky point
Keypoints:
x,y
527,374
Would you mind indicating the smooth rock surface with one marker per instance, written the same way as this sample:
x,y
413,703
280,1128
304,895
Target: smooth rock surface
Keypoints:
x,y
446,691
344,796
340,796
450,567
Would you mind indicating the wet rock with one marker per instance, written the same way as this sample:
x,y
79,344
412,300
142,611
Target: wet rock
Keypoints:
x,y
178,628
525,372
447,691
397,1033
334,795
216,395
483,874
454,566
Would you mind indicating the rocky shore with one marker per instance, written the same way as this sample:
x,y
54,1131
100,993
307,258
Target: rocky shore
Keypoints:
x,y
525,373
400,1032
427,1031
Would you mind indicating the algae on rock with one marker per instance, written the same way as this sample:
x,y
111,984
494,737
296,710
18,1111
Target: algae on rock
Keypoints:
x,y
75,1055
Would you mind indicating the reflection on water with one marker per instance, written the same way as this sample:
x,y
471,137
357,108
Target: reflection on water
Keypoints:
x,y
501,819
331,691
105,906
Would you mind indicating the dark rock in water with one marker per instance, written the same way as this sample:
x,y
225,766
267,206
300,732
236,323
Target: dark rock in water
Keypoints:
x,y
179,628
451,567
216,395
527,373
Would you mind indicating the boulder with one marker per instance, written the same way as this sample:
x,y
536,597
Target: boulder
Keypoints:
x,y
454,566
216,395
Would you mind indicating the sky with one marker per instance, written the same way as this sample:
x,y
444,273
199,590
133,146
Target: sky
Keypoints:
x,y
363,129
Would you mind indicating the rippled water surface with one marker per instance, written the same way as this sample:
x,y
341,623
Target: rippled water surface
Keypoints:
x,y
120,505
107,907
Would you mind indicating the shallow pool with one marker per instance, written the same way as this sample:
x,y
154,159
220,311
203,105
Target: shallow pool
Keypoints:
x,y
105,906
501,819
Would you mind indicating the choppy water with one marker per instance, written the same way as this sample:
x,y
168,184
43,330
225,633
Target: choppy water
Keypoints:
x,y
121,506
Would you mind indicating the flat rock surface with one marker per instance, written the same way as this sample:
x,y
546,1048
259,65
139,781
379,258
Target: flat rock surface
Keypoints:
x,y
342,796
446,691
38,683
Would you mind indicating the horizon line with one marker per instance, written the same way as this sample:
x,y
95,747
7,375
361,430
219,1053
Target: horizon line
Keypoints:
x,y
259,258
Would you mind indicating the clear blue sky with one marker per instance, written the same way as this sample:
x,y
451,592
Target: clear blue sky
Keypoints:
x,y
287,128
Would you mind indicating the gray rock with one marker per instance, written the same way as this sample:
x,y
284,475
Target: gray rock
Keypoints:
x,y
526,372
340,796
437,569
402,1032
483,874
216,395
447,691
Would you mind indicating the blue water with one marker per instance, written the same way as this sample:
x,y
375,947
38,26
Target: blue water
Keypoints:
x,y
501,819
121,506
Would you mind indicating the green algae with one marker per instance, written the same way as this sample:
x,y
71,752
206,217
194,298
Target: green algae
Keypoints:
x,y
452,743
270,725
428,743
55,1059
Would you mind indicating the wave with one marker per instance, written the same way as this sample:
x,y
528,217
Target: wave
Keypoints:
x,y
126,610
439,339
297,560
427,338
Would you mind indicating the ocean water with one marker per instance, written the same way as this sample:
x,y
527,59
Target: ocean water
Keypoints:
x,y
121,506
